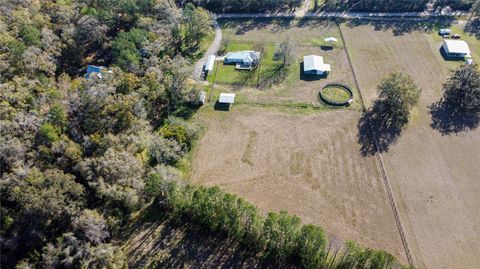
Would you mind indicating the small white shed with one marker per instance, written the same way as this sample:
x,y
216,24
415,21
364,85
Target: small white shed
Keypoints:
x,y
226,98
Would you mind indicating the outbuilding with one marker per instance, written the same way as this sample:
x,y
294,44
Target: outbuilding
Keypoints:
x,y
226,98
201,97
456,48
210,62
314,65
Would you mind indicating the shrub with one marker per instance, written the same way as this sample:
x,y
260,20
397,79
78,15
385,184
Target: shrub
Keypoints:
x,y
30,35
49,133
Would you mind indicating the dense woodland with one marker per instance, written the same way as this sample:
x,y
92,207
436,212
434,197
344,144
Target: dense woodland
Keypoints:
x,y
236,6
74,152
396,5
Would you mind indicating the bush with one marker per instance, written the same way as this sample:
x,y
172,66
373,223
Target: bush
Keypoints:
x,y
30,35
49,133
165,151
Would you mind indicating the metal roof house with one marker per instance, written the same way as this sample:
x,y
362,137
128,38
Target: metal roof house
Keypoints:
x,y
314,65
456,48
243,59
97,71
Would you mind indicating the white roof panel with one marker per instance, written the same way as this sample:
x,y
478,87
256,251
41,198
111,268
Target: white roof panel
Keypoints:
x,y
314,62
228,98
330,39
210,63
456,46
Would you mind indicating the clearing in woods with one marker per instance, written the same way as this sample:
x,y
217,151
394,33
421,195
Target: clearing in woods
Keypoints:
x,y
311,163
434,175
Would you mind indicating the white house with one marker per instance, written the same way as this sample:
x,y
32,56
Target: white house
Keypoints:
x,y
313,65
243,59
456,48
210,62
226,98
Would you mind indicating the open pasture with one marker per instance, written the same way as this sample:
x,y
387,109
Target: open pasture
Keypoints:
x,y
434,174
308,164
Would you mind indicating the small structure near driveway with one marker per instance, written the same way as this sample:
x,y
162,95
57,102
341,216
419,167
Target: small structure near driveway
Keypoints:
x,y
243,60
201,97
210,62
456,49
314,65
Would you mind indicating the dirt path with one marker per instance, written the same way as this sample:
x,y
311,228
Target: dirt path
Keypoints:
x,y
212,50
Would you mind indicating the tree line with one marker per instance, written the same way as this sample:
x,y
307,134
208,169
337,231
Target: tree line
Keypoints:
x,y
277,236
235,6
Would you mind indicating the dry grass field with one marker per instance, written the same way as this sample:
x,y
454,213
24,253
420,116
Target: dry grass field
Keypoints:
x,y
308,164
435,175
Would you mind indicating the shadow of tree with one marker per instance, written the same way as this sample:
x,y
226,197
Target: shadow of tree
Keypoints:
x,y
275,74
400,26
448,119
154,240
473,27
377,130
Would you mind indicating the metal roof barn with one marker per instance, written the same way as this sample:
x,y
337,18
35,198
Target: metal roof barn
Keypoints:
x,y
456,47
315,63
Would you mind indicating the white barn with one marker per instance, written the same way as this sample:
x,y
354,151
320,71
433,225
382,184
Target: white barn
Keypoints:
x,y
314,65
456,48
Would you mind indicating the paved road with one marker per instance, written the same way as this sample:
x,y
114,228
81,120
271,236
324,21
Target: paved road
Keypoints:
x,y
345,15
211,51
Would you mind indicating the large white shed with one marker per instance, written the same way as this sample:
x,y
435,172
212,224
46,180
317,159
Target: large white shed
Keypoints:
x,y
456,48
314,65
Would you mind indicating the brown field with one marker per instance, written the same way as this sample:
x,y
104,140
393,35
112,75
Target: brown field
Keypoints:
x,y
308,164
435,177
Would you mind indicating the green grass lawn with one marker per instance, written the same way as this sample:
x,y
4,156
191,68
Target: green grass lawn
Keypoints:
x,y
228,74
336,94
